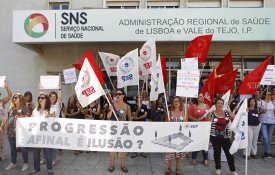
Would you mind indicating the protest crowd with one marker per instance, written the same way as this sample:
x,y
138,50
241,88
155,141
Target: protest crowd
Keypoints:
x,y
215,101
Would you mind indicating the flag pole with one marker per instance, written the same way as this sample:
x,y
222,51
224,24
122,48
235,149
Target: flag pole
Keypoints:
x,y
110,82
110,104
185,110
165,98
246,161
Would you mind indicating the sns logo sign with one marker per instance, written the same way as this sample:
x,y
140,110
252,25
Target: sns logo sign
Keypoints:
x,y
86,79
127,66
32,23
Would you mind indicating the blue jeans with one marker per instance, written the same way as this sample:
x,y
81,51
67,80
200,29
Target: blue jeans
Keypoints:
x,y
204,154
53,152
267,131
47,155
24,151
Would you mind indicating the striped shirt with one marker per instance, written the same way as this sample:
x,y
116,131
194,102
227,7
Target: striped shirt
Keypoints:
x,y
219,125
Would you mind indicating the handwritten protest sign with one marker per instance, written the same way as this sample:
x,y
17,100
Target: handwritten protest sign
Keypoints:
x,y
49,82
187,83
190,64
70,76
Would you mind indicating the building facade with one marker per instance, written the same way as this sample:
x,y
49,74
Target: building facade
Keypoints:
x,y
23,63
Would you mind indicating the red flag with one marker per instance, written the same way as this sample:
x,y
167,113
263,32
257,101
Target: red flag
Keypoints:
x,y
208,90
89,55
199,48
164,72
251,81
226,82
226,65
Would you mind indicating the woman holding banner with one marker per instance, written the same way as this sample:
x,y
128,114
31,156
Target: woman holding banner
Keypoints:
x,y
3,102
177,114
196,112
42,110
18,109
220,136
123,112
267,110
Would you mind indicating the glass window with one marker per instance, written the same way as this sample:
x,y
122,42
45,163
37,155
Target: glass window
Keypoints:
x,y
204,3
59,5
246,3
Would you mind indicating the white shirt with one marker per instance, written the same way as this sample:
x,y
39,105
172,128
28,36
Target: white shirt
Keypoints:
x,y
36,113
55,108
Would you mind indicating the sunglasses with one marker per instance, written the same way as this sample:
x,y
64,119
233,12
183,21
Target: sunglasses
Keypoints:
x,y
42,98
119,94
15,97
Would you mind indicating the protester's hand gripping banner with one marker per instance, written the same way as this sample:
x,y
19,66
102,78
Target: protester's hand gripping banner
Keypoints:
x,y
118,136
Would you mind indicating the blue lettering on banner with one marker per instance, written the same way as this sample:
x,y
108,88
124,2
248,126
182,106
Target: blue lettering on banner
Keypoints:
x,y
128,77
194,126
243,136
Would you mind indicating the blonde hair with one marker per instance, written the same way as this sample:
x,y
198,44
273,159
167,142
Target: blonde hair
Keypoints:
x,y
22,101
180,101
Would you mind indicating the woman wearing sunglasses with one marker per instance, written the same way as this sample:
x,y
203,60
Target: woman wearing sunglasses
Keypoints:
x,y
177,114
3,102
18,109
123,112
42,110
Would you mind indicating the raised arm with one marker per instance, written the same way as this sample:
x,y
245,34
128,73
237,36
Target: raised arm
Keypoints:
x,y
7,99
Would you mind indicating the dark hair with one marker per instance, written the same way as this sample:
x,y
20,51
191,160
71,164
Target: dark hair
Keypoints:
x,y
160,96
68,103
123,93
28,93
219,99
265,94
47,105
53,93
249,100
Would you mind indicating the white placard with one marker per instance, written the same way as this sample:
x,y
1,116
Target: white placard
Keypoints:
x,y
118,136
2,81
70,75
187,83
269,76
94,25
49,82
189,64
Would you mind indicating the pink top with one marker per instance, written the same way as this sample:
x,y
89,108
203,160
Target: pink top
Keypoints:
x,y
197,112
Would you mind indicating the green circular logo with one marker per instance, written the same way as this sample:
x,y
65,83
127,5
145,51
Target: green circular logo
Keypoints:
x,y
32,21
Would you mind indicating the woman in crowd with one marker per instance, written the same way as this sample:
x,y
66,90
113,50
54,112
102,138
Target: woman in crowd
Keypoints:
x,y
273,94
146,101
220,136
196,112
104,108
159,111
42,110
253,128
123,112
3,102
94,111
18,109
177,114
28,99
139,113
56,104
267,109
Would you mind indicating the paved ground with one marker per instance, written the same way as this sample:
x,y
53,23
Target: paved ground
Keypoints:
x,y
97,163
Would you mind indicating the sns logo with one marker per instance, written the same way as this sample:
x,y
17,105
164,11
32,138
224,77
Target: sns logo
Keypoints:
x,y
32,25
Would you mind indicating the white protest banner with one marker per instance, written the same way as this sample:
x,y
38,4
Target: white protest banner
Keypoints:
x,y
109,61
187,83
70,76
148,56
269,76
49,81
190,64
157,85
127,70
2,81
118,136
88,87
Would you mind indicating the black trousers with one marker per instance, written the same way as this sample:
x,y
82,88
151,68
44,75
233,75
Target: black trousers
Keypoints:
x,y
225,144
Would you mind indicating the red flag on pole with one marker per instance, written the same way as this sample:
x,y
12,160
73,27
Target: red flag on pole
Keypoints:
x,y
164,72
226,82
208,90
226,65
199,48
251,81
89,55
